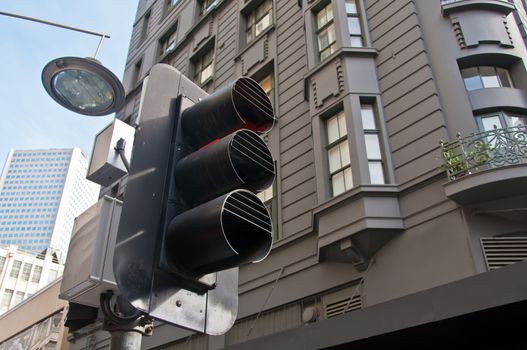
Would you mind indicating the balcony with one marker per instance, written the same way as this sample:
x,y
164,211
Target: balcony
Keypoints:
x,y
486,166
444,2
501,6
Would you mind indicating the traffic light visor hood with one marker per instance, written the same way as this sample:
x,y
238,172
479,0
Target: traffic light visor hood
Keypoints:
x,y
239,160
203,244
252,105
241,104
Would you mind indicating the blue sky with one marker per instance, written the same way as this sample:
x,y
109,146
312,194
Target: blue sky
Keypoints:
x,y
29,118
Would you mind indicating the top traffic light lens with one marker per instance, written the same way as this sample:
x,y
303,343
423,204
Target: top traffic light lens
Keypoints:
x,y
241,104
252,105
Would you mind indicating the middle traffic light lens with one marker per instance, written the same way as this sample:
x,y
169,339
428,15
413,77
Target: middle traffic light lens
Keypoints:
x,y
240,160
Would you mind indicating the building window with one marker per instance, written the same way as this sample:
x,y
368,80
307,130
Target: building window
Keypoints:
x,y
270,199
373,145
136,73
171,3
326,38
26,271
266,195
168,42
19,296
500,120
206,5
338,154
6,298
37,272
259,19
354,26
144,28
204,67
267,84
2,262
15,269
486,77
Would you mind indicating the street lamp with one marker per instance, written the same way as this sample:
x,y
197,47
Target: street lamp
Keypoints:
x,y
82,85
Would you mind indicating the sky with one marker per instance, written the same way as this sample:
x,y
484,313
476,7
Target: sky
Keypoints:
x,y
29,118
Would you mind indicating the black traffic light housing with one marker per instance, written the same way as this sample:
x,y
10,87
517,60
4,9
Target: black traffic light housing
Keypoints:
x,y
190,216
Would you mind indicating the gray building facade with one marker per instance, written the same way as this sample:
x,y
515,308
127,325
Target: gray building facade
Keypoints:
x,y
401,190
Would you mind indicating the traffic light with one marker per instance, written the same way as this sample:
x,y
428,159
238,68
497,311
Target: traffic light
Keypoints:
x,y
190,215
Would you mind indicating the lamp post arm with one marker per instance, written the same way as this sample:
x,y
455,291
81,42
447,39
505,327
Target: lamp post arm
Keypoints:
x,y
54,24
98,47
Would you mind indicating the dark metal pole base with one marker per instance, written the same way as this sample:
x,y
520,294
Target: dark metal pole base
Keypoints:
x,y
122,340
126,324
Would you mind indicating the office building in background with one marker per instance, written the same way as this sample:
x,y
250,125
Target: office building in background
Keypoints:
x,y
36,323
41,193
23,274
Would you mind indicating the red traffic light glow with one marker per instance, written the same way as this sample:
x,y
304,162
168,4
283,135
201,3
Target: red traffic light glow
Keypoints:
x,y
210,143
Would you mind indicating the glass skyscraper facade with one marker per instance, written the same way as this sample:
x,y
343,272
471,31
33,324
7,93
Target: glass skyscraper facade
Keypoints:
x,y
41,193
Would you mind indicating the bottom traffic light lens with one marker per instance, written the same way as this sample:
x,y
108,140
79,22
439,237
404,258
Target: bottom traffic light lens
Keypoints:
x,y
246,225
225,232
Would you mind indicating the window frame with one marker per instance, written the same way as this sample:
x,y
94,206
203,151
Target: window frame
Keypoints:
x,y
330,145
271,204
166,46
199,67
170,4
145,26
356,15
7,297
504,118
507,82
18,269
3,261
377,132
136,73
26,271
332,46
205,6
269,76
251,25
18,297
37,271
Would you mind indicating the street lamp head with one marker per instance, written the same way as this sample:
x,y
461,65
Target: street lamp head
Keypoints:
x,y
83,85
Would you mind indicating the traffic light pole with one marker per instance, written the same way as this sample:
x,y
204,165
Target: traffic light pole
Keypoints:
x,y
130,340
126,324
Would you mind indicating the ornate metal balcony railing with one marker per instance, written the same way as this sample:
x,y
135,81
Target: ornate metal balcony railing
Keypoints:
x,y
490,149
444,2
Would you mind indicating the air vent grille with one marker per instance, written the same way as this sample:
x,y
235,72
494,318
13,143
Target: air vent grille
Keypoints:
x,y
269,322
343,306
342,301
503,251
